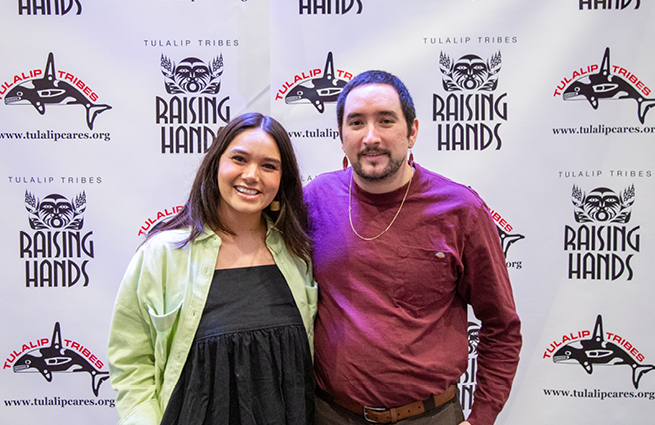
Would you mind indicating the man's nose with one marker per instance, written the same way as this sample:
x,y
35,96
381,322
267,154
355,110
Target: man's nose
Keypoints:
x,y
372,135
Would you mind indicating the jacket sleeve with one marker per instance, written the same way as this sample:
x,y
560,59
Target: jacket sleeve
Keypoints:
x,y
131,353
305,293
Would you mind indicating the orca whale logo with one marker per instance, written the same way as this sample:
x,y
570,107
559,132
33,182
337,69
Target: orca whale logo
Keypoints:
x,y
506,239
318,91
598,351
605,85
51,91
57,358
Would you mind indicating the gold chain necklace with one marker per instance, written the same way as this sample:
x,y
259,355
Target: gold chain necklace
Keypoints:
x,y
350,215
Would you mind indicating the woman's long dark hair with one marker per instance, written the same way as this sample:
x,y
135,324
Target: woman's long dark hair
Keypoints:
x,y
202,207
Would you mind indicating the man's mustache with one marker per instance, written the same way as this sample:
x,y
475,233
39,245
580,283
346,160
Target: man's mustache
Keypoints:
x,y
374,151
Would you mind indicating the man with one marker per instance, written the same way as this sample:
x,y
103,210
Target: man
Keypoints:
x,y
399,253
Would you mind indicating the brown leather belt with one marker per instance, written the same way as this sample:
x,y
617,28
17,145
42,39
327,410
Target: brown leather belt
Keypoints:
x,y
382,415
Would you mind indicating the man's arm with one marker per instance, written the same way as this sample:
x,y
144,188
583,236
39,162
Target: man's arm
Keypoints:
x,y
485,285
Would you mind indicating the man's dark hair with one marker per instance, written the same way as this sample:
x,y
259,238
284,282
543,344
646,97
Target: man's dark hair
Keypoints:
x,y
202,207
379,77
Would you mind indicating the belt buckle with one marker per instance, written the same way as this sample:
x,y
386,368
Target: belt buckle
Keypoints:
x,y
374,409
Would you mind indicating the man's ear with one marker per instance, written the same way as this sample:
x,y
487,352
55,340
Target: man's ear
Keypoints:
x,y
413,134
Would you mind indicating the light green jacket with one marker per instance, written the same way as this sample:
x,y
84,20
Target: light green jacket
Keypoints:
x,y
158,308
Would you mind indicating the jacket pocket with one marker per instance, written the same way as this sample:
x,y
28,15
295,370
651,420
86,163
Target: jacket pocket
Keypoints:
x,y
164,326
164,322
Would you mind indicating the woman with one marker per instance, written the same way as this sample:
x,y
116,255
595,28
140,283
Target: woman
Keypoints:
x,y
213,320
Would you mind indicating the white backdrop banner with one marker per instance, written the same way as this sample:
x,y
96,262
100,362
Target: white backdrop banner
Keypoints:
x,y
544,108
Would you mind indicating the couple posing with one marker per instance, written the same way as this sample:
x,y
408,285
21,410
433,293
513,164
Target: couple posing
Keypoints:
x,y
215,321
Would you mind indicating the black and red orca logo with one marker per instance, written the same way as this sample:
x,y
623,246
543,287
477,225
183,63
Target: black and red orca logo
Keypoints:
x,y
318,91
601,352
58,359
607,85
52,91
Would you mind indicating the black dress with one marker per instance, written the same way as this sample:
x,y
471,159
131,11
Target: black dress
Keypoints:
x,y
250,361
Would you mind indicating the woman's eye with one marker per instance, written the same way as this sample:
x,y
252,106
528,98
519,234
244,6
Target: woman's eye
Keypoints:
x,y
270,167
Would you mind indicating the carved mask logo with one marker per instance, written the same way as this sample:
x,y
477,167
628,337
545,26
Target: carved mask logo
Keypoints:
x,y
470,72
189,116
55,212
192,75
467,381
602,245
473,337
471,113
57,252
603,205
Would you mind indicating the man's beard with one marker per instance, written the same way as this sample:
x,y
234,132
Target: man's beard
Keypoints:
x,y
391,169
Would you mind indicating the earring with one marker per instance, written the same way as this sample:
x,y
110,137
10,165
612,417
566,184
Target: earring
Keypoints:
x,y
275,206
345,163
411,158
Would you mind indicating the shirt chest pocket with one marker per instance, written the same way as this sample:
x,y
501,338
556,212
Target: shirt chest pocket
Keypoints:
x,y
423,276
